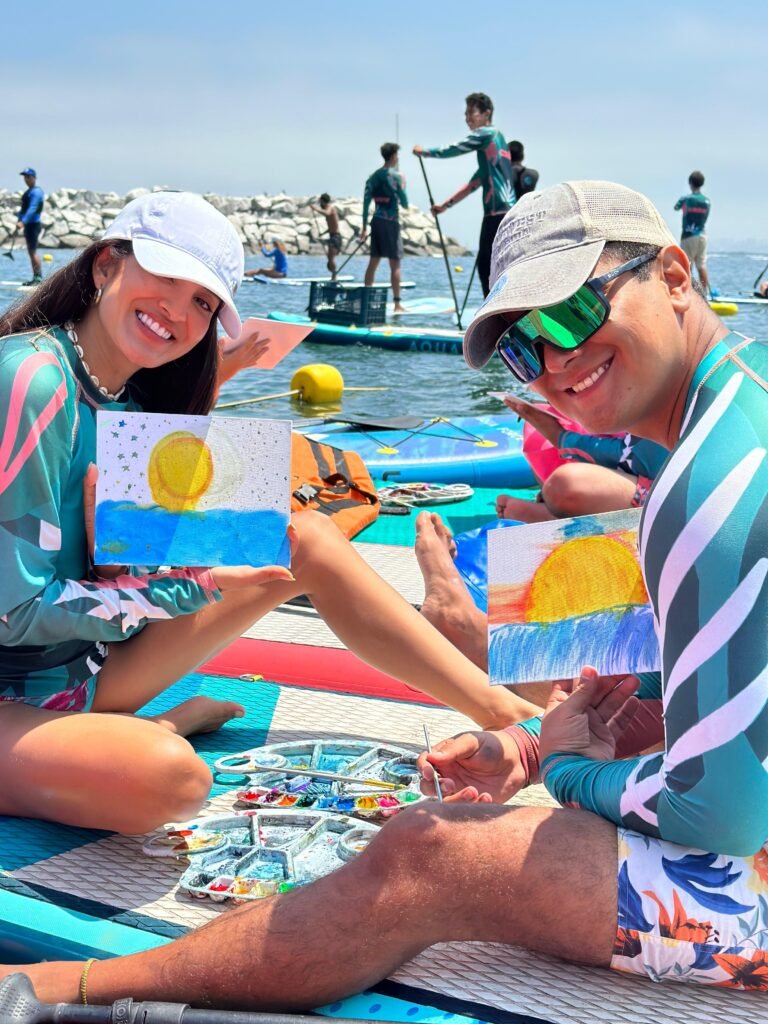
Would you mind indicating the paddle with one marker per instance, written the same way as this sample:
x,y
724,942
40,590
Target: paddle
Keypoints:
x,y
442,241
9,253
469,285
758,279
19,1005
359,245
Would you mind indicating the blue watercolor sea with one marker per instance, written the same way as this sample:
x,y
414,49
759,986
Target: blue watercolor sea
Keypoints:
x,y
615,641
130,534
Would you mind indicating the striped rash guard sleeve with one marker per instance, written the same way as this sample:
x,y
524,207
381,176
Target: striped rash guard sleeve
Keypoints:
x,y
476,139
704,550
39,418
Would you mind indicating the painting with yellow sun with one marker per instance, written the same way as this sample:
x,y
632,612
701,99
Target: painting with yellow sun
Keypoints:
x,y
191,490
565,594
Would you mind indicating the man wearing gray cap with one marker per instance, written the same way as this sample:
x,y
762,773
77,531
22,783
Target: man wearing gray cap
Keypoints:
x,y
654,865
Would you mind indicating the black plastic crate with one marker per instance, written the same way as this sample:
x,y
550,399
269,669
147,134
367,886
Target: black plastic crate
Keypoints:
x,y
333,303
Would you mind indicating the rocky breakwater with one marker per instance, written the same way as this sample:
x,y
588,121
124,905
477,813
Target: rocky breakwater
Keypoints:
x,y
73,218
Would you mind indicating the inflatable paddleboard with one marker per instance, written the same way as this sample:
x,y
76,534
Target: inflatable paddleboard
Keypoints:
x,y
296,281
261,279
742,300
482,451
394,337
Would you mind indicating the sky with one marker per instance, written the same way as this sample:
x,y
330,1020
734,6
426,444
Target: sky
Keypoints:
x,y
241,97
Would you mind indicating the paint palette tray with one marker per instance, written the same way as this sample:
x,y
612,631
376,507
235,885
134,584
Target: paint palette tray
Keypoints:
x,y
250,855
370,781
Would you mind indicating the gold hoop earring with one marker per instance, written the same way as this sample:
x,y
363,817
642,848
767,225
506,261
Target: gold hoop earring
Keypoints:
x,y
97,296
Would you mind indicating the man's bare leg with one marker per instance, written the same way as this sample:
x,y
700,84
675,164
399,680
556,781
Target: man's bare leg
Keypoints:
x,y
447,602
370,270
533,877
394,275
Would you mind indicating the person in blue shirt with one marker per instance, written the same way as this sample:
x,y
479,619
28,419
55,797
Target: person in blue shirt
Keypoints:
x,y
277,255
693,240
29,221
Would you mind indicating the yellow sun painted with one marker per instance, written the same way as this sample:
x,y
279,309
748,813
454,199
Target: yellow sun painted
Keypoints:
x,y
584,575
180,471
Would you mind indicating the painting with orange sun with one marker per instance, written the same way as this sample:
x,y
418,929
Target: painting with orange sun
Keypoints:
x,y
191,490
565,594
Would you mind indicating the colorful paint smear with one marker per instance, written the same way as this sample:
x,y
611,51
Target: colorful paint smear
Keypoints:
x,y
565,594
191,490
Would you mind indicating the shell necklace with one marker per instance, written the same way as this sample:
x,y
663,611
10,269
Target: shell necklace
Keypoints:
x,y
69,327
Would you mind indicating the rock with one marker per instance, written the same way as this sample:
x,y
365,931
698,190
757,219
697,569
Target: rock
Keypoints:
x,y
75,217
134,194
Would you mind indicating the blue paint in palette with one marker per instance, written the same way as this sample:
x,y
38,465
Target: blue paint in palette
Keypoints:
x,y
131,534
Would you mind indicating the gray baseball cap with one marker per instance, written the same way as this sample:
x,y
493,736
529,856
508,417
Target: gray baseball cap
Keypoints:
x,y
548,245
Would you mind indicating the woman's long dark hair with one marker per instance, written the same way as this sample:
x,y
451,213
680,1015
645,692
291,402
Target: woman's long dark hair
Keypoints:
x,y
187,384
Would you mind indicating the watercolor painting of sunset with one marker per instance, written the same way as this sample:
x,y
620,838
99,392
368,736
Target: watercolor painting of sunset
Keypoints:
x,y
191,490
565,594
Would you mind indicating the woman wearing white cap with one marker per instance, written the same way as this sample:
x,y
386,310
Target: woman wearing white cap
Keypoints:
x,y
131,324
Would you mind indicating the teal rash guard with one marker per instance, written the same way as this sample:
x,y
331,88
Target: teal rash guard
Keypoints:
x,y
56,615
494,169
704,551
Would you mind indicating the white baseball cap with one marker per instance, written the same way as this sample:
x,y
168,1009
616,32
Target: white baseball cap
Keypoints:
x,y
179,234
548,245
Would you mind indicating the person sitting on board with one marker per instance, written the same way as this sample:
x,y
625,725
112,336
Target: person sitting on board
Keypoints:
x,y
654,866
280,261
493,174
386,189
524,179
762,289
334,242
29,221
130,324
693,240
597,474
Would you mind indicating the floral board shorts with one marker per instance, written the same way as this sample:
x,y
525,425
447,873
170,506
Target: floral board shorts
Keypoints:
x,y
686,915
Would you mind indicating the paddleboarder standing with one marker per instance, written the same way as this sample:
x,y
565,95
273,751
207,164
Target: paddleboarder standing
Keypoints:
x,y
328,210
693,241
28,221
494,174
386,189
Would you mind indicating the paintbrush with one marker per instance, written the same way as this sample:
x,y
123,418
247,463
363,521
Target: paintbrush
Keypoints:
x,y
438,791
317,774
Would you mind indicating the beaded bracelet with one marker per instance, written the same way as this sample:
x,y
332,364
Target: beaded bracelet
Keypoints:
x,y
84,980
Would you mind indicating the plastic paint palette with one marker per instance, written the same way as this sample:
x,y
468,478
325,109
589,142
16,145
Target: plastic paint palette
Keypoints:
x,y
362,761
262,853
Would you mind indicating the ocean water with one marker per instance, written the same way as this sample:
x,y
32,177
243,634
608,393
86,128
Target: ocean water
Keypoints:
x,y
423,383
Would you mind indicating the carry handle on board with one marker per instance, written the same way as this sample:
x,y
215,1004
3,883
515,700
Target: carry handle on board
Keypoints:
x,y
19,1005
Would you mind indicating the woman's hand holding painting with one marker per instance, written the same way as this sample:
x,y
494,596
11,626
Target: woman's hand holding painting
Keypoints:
x,y
105,572
589,718
474,767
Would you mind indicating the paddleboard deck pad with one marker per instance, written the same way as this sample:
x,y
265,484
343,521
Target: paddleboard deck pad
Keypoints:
x,y
71,893
482,451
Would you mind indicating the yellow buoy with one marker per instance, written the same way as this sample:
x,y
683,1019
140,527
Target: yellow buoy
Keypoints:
x,y
724,308
318,383
458,270
48,258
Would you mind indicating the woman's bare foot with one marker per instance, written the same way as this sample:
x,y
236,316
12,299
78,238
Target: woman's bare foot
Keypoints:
x,y
447,602
521,509
199,714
